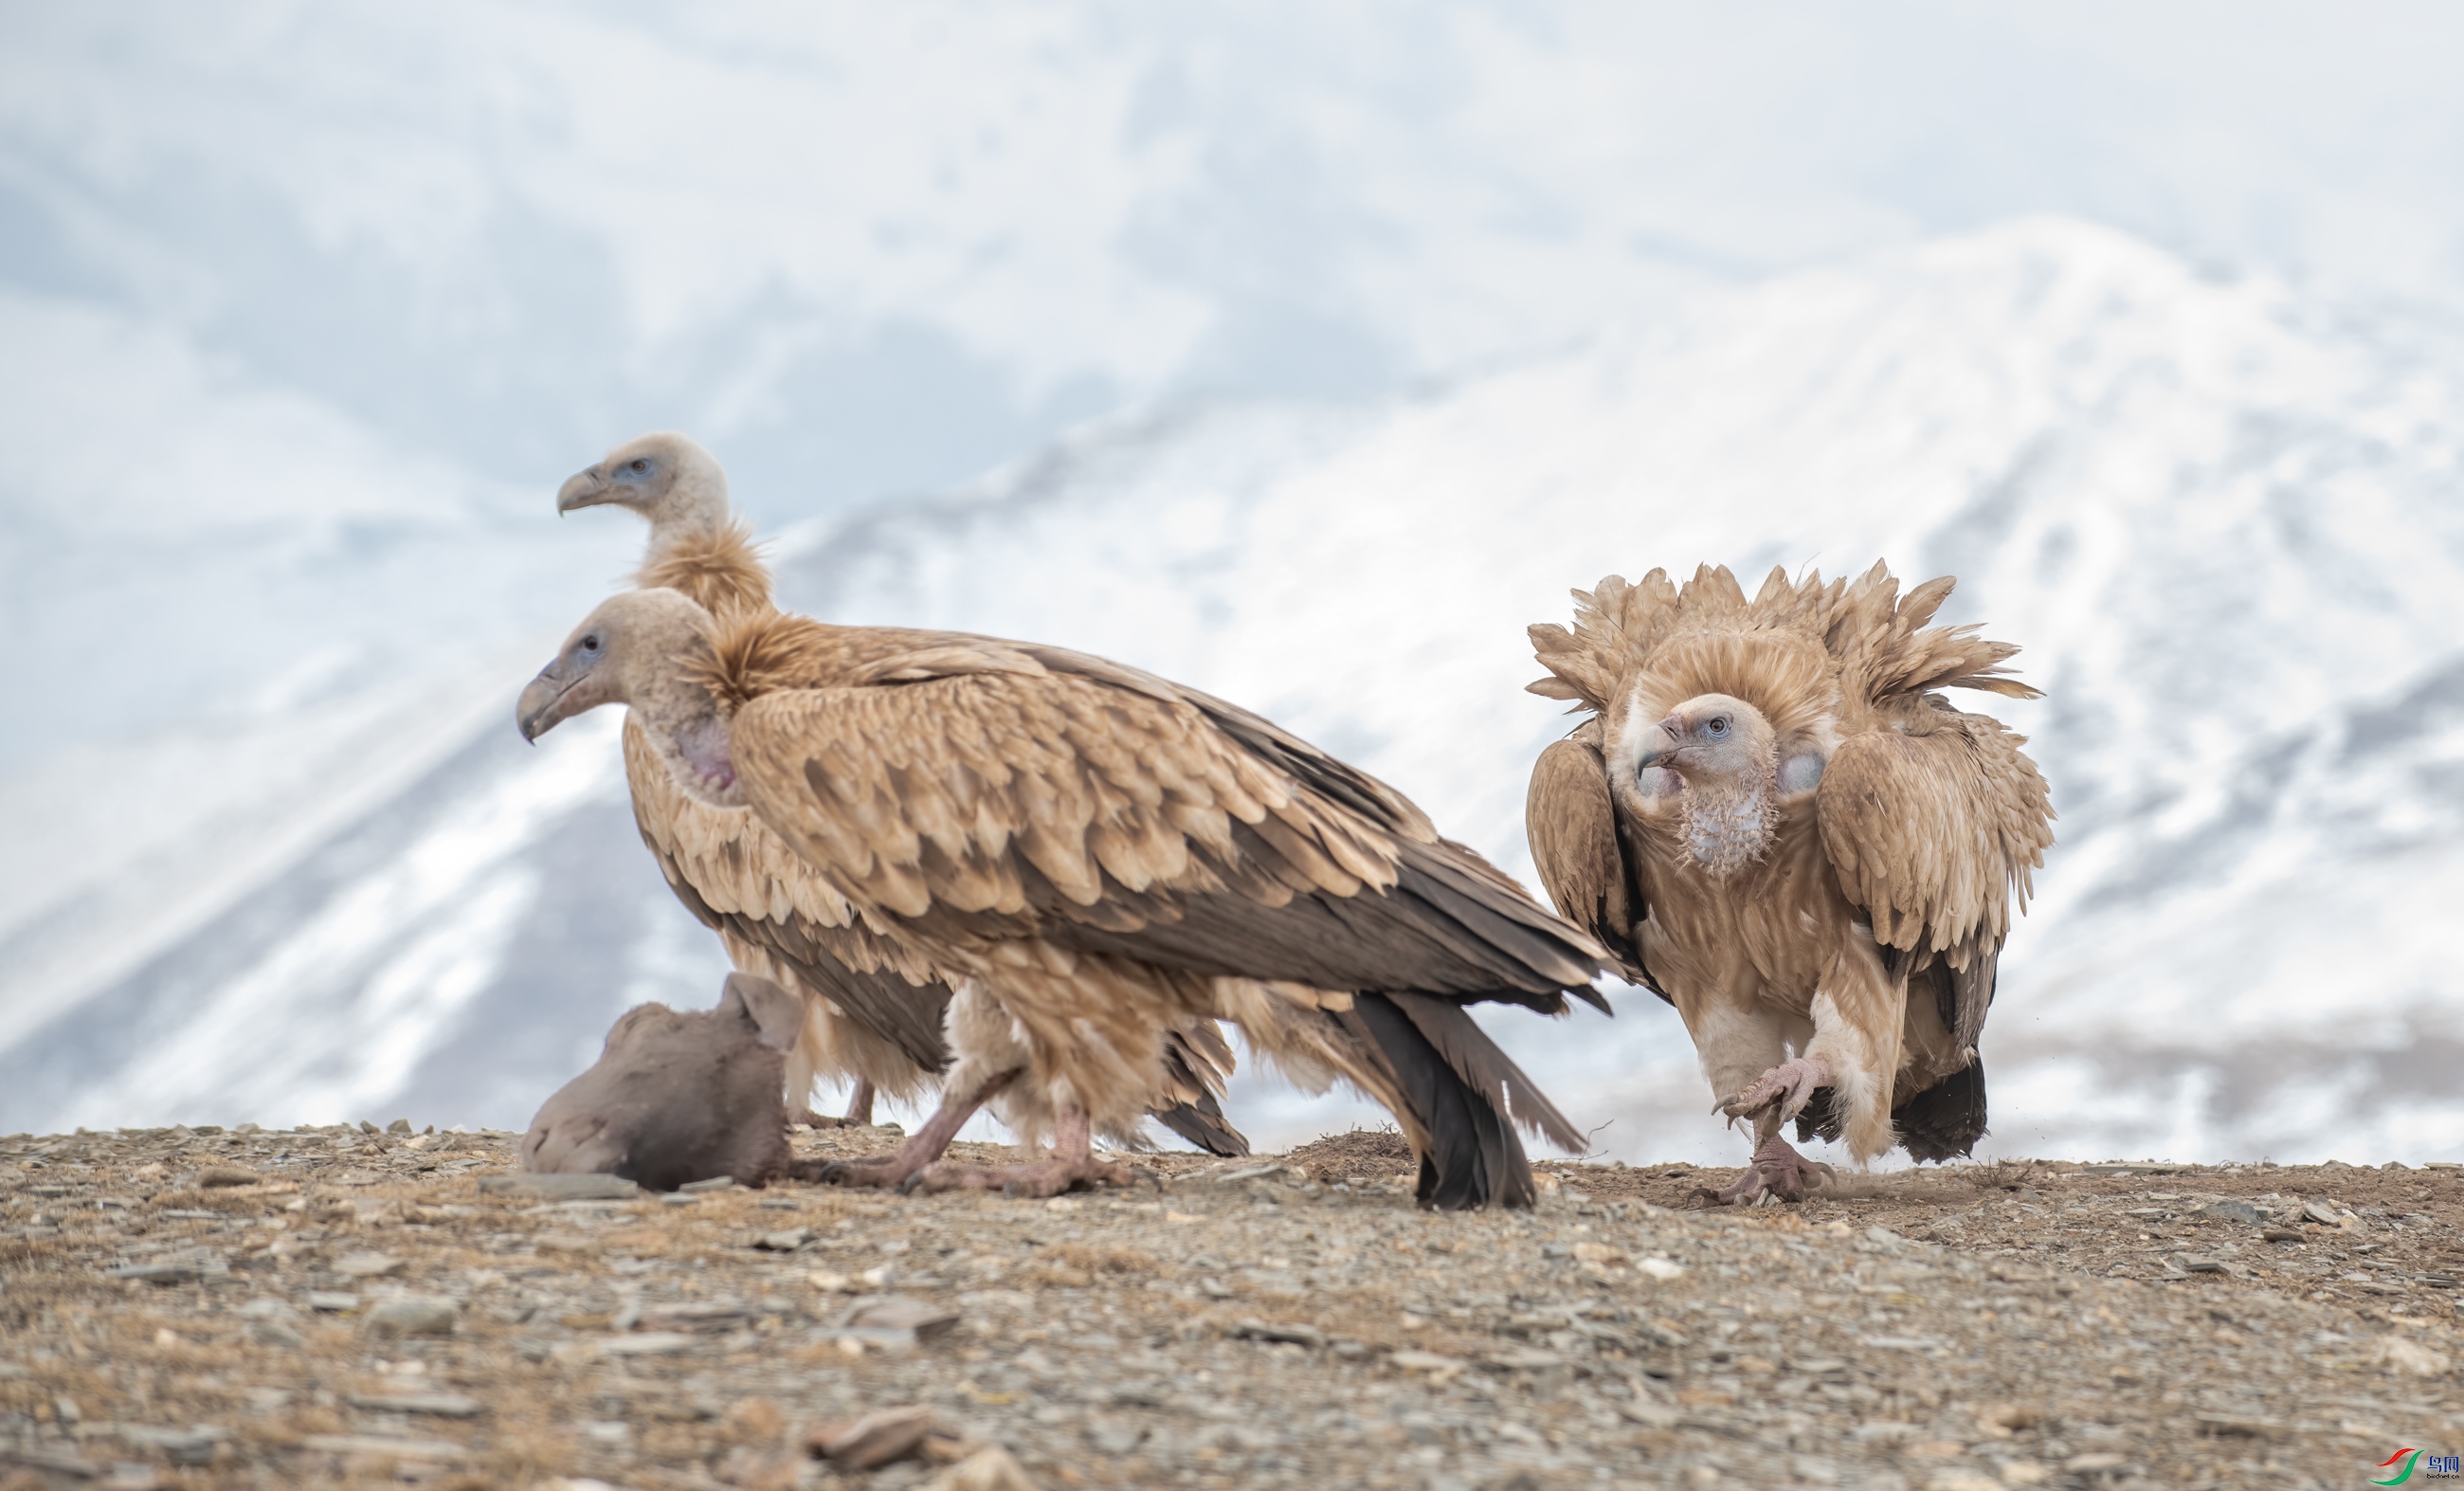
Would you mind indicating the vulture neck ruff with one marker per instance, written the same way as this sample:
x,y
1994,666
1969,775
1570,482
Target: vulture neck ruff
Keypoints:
x,y
718,567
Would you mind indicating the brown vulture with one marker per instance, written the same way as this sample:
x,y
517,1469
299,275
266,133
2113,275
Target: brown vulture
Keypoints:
x,y
1097,857
874,1008
1772,821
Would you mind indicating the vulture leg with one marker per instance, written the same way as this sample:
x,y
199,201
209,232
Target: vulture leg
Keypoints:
x,y
921,1148
859,1113
1776,1170
1073,1164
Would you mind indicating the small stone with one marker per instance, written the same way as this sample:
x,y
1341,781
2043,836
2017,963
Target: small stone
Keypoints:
x,y
705,1187
387,1446
160,1273
2413,1359
1430,1362
2226,1426
1294,1333
1599,1253
2280,1234
991,1468
370,1265
218,1175
2323,1213
193,1446
412,1315
398,1126
1659,1268
2229,1211
875,1439
2205,1265
785,1241
437,1404
647,1342
331,1301
902,1312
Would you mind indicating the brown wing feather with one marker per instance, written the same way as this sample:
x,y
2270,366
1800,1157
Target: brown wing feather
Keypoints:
x,y
988,805
1572,823
1933,823
738,878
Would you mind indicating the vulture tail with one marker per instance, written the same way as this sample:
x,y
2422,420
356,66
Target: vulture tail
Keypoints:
x,y
1945,1120
1942,1123
1197,1061
1463,1097
1204,1125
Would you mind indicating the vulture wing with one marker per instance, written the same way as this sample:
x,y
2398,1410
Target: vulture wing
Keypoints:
x,y
743,882
1573,825
1933,822
982,793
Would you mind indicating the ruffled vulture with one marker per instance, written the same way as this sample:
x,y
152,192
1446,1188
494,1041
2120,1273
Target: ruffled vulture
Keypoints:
x,y
873,1007
1098,857
1773,821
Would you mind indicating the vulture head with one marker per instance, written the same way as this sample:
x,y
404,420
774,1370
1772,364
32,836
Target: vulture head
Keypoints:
x,y
639,648
664,476
1717,758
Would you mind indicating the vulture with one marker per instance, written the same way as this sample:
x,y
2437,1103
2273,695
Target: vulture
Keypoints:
x,y
1096,858
873,1009
1772,820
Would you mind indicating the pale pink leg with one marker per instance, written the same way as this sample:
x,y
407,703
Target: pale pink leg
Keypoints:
x,y
921,1148
1073,1164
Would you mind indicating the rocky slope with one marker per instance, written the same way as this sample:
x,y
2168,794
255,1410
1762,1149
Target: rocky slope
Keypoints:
x,y
338,1306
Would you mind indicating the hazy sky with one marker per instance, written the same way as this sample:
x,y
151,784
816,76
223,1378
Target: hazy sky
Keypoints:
x,y
289,291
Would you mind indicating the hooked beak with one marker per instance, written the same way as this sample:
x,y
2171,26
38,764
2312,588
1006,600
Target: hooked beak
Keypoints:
x,y
584,489
547,702
1660,743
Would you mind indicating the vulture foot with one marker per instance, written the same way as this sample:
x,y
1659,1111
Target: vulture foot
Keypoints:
x,y
1777,1173
901,1166
1790,1085
812,1120
1073,1164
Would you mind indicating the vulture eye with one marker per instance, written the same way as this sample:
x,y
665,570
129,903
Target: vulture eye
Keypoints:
x,y
590,644
638,465
1718,725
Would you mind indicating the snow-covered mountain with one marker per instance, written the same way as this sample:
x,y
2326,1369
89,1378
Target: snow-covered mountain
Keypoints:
x,y
2226,523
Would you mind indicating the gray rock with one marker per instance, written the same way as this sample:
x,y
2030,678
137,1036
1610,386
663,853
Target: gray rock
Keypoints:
x,y
413,1315
1296,1334
2231,1211
438,1405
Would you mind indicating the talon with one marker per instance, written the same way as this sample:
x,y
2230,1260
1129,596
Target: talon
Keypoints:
x,y
834,1173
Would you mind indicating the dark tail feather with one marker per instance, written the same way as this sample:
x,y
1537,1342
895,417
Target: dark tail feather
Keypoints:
x,y
1197,1060
1202,1124
1488,1071
1472,1157
1945,1120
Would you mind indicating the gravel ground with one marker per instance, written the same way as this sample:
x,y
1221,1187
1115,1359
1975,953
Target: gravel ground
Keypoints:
x,y
340,1307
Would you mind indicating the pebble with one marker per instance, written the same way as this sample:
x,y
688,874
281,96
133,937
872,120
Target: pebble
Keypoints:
x,y
412,1315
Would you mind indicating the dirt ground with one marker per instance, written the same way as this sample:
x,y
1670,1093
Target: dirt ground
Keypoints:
x,y
339,1307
